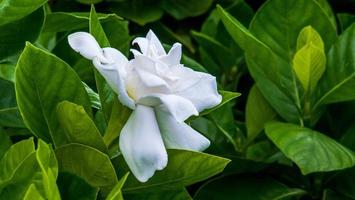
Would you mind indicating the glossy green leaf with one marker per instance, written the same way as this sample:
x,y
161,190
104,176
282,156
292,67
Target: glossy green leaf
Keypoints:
x,y
181,9
243,187
258,112
49,167
310,150
12,39
38,92
88,163
32,193
79,127
309,61
116,192
338,81
94,97
73,187
139,11
184,168
12,10
227,96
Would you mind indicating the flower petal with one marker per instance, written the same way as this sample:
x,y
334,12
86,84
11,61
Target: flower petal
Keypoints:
x,y
141,144
200,88
154,44
178,135
114,73
179,107
85,44
142,43
174,55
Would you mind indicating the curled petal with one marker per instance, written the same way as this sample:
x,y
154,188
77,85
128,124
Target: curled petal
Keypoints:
x,y
174,55
114,73
154,44
178,135
200,88
85,44
142,43
141,144
179,107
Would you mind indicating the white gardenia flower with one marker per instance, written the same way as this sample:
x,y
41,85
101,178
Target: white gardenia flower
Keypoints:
x,y
161,91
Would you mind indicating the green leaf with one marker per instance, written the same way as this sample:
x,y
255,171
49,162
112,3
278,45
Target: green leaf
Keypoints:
x,y
89,2
246,187
116,193
184,168
227,96
48,163
12,37
139,11
73,187
78,126
309,61
178,194
94,97
42,81
338,81
5,143
32,193
181,9
258,57
310,150
343,182
88,163
12,10
258,112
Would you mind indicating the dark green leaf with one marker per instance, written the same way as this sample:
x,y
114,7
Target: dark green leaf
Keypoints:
x,y
181,9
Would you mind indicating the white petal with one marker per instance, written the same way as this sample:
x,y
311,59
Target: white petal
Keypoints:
x,y
141,144
154,44
142,43
85,44
115,73
178,135
174,55
200,88
179,107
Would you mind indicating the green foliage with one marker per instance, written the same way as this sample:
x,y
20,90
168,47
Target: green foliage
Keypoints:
x,y
284,130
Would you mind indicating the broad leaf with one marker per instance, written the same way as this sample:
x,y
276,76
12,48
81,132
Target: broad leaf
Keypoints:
x,y
243,187
181,9
184,168
79,127
310,150
88,163
42,81
178,194
5,143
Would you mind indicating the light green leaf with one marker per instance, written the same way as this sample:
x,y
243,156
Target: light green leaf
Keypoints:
x,y
48,163
116,193
181,9
309,61
310,150
88,163
12,37
242,187
32,193
338,81
12,10
227,96
258,112
42,81
94,97
78,126
184,168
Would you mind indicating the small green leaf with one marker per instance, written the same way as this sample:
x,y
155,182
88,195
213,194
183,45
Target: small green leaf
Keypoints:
x,y
79,127
310,150
42,81
258,112
184,168
88,163
116,193
309,61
